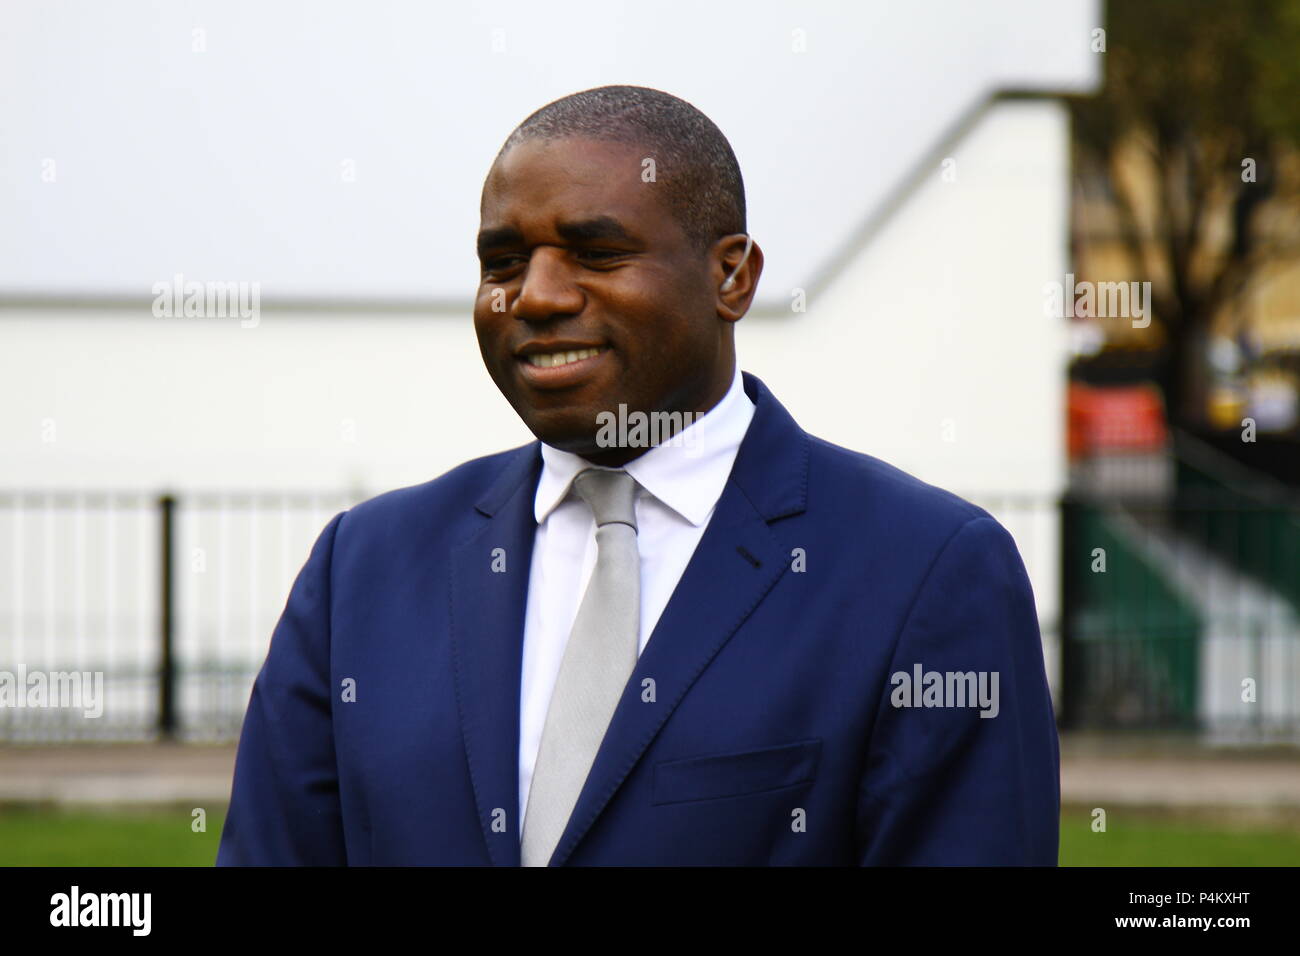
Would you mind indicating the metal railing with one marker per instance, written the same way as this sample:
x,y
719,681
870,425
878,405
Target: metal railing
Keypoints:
x,y
1166,620
1181,605
171,598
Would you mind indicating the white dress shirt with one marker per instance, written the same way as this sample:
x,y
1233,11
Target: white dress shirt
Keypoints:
x,y
680,483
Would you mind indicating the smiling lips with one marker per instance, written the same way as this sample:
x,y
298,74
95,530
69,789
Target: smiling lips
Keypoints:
x,y
554,359
560,369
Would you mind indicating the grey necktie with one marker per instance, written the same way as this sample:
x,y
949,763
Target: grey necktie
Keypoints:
x,y
598,659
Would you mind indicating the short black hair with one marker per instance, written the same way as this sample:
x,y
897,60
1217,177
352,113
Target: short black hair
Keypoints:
x,y
694,163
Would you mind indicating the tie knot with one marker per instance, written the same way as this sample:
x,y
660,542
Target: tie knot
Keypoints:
x,y
610,494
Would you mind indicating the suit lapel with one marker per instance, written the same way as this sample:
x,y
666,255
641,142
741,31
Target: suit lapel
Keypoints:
x,y
487,630
734,567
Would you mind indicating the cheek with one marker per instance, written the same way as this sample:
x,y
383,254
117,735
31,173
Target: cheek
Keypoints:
x,y
490,296
487,324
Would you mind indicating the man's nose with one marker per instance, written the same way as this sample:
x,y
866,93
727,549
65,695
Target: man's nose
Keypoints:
x,y
548,289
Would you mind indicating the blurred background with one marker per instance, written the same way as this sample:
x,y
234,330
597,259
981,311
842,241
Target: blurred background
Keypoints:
x,y
1046,256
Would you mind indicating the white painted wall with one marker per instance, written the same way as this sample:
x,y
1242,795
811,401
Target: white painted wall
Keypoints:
x,y
936,323
336,148
935,329
932,350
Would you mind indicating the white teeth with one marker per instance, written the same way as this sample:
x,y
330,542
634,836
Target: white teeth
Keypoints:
x,y
562,358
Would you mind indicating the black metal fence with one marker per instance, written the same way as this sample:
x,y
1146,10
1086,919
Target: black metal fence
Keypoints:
x,y
1175,610
131,616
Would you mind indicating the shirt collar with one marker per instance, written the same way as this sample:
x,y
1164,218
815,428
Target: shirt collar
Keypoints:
x,y
686,473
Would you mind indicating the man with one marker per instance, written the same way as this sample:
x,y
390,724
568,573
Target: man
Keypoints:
x,y
736,644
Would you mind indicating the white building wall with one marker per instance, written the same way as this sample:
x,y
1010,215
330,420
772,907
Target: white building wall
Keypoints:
x,y
930,350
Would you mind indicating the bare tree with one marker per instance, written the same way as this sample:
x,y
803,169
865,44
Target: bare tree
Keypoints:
x,y
1208,93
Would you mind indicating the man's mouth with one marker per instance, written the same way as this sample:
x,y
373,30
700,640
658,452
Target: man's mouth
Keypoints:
x,y
554,359
560,368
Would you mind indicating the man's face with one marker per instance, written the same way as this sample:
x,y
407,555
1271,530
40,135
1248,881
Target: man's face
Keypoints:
x,y
578,253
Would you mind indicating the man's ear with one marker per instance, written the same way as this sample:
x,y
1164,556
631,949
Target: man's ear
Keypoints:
x,y
738,264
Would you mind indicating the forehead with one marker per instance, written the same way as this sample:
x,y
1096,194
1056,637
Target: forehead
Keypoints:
x,y
572,178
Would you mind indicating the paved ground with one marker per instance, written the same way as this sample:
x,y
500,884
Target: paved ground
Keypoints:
x,y
1181,783
115,773
1095,771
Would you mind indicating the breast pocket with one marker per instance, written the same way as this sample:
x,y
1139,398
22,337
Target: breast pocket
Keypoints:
x,y
710,776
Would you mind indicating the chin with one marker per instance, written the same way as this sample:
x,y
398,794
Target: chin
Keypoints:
x,y
567,435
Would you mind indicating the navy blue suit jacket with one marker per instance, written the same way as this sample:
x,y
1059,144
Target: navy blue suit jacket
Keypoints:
x,y
762,725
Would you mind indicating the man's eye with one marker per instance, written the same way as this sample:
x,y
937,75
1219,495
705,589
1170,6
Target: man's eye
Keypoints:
x,y
597,255
500,263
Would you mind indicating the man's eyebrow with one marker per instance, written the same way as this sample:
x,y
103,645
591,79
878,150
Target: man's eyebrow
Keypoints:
x,y
583,230
598,227
501,236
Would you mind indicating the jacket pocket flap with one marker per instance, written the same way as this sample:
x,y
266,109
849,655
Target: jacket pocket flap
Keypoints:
x,y
734,774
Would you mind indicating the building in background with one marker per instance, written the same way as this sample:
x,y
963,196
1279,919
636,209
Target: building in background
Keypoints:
x,y
911,205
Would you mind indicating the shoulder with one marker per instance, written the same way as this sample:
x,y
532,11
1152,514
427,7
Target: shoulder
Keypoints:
x,y
857,481
881,516
871,510
437,506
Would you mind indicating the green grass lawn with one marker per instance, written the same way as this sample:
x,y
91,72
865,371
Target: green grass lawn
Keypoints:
x,y
146,837
1151,838
163,837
